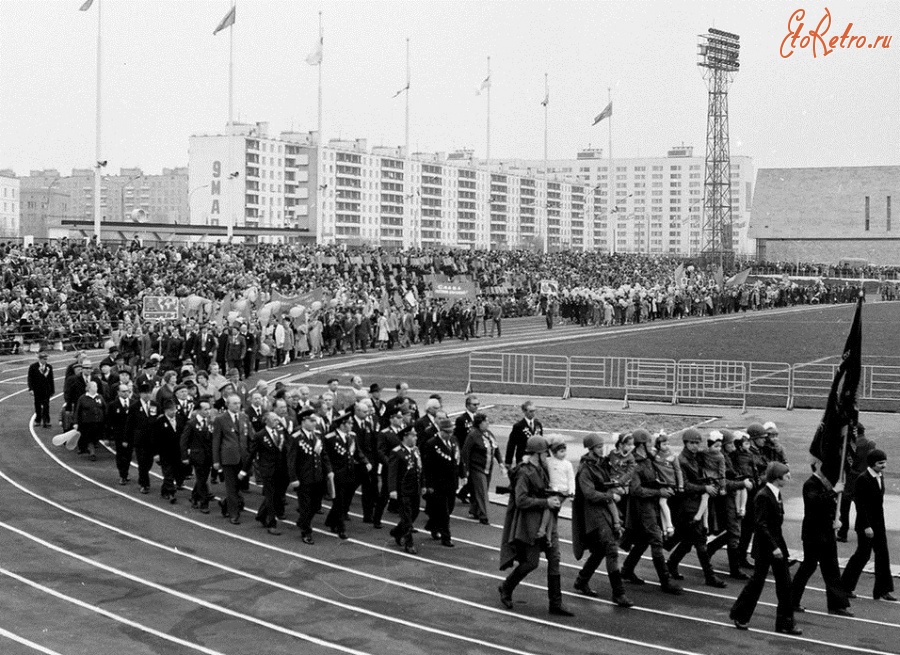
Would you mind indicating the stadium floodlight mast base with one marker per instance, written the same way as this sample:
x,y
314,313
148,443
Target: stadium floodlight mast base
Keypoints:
x,y
718,54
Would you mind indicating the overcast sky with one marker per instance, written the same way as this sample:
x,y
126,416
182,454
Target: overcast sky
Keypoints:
x,y
165,77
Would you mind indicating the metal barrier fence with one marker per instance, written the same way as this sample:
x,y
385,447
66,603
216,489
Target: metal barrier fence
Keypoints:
x,y
713,382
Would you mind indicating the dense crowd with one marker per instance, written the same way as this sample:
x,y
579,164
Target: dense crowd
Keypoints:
x,y
71,294
721,491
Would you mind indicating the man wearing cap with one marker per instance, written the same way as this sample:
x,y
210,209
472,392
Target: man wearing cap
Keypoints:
x,y
643,518
461,429
729,523
769,551
89,418
139,433
819,545
772,450
344,457
231,441
526,427
196,451
377,404
309,471
870,530
405,484
690,532
441,475
269,447
595,521
42,387
520,544
388,439
758,438
167,447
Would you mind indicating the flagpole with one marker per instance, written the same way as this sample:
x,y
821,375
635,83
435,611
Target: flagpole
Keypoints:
x,y
97,155
611,177
489,115
546,104
231,71
321,45
407,96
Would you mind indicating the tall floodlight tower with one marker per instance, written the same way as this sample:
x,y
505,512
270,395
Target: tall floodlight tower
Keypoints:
x,y
718,55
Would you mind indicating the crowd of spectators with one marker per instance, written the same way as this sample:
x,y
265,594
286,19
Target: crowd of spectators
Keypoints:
x,y
77,294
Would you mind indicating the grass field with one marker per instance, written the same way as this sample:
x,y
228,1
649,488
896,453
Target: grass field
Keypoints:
x,y
792,337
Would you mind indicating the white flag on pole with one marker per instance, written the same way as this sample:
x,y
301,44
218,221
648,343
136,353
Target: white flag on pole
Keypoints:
x,y
314,58
485,85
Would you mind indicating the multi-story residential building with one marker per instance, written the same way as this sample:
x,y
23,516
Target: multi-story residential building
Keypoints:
x,y
130,195
10,203
657,199
345,192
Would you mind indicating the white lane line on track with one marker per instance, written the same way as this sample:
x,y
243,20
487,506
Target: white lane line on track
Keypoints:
x,y
476,544
249,576
178,594
27,642
110,615
370,576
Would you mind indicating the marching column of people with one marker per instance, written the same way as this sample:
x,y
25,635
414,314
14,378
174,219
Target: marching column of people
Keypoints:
x,y
727,495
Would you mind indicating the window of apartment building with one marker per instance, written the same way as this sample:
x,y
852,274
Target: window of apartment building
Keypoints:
x,y
888,213
867,213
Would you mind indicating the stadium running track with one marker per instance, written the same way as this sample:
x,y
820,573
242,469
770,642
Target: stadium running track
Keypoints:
x,y
92,567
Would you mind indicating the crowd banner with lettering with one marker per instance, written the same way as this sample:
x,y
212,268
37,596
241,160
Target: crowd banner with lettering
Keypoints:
x,y
161,308
549,287
460,290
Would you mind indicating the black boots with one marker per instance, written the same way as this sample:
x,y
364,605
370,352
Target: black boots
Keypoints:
x,y
584,587
665,584
618,589
554,594
711,579
734,566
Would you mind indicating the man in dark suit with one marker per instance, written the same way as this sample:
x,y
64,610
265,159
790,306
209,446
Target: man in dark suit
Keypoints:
x,y
870,530
345,457
405,482
861,450
388,439
769,551
441,473
117,411
366,436
270,447
521,431
42,387
230,454
819,545
427,426
167,445
75,386
309,471
205,345
461,429
138,433
196,451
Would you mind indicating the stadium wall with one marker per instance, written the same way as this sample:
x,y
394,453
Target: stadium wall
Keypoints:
x,y
827,214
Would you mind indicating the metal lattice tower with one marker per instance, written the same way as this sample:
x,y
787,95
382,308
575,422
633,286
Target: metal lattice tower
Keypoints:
x,y
718,52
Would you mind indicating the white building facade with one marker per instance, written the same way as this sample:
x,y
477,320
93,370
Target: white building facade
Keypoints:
x,y
10,205
345,192
656,198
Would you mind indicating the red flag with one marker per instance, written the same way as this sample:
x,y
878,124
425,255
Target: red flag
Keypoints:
x,y
836,433
228,21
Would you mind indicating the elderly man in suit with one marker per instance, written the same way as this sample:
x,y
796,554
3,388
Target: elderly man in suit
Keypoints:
x,y
769,551
117,411
270,446
870,530
309,471
230,454
196,451
41,386
167,445
527,426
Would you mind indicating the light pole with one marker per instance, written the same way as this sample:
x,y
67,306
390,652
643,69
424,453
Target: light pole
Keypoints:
x,y
191,195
